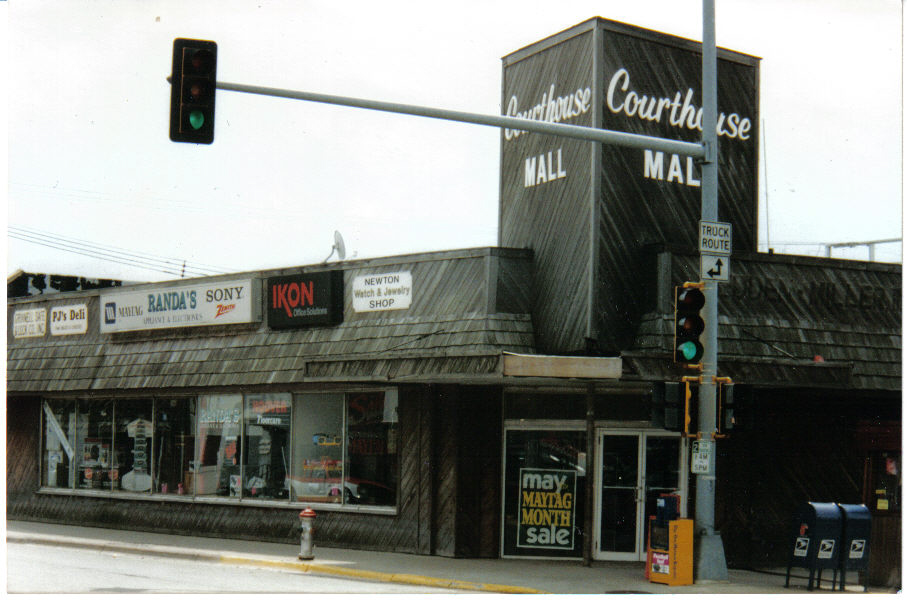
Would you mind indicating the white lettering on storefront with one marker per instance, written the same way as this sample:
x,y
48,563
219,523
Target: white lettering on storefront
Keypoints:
x,y
550,108
544,168
654,168
678,111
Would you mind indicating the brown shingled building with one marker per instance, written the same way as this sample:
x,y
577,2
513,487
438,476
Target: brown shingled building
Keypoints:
x,y
403,397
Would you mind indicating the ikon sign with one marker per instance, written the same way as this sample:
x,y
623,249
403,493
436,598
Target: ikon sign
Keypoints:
x,y
306,299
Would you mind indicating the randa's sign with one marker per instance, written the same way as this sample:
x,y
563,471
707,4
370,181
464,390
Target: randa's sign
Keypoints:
x,y
211,303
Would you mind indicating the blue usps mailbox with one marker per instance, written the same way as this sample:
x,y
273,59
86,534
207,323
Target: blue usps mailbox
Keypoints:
x,y
816,543
857,527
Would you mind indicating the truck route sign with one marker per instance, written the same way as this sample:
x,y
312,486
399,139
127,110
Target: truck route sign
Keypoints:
x,y
714,238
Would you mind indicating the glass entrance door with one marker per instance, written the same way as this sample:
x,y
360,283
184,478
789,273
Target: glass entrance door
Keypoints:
x,y
634,468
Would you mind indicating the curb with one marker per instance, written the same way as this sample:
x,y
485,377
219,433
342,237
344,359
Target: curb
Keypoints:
x,y
423,580
306,567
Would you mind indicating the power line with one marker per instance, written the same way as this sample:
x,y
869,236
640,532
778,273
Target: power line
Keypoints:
x,y
109,248
171,266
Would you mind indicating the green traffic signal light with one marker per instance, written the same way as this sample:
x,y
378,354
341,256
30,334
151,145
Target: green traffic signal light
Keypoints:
x,y
688,324
689,350
193,84
196,119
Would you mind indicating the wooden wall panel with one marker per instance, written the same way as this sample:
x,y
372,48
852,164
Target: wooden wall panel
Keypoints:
x,y
479,493
551,215
650,197
589,229
22,430
444,472
424,443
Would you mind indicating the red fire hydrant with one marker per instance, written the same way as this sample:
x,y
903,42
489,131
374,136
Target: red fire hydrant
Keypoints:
x,y
306,534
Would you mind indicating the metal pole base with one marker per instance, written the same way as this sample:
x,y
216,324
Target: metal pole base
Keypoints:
x,y
710,563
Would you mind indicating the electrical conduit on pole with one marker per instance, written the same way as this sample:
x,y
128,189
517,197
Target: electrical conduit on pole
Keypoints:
x,y
710,564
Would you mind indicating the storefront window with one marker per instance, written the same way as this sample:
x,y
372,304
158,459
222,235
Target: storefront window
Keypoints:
x,y
131,466
267,446
217,467
371,461
544,484
317,448
174,445
59,443
94,442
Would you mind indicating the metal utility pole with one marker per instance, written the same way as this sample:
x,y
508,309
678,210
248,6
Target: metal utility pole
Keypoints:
x,y
710,561
710,564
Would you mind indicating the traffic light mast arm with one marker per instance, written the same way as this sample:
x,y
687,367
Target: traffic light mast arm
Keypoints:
x,y
589,134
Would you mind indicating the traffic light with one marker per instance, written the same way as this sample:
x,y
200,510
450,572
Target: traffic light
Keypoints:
x,y
192,85
726,407
667,406
675,406
688,324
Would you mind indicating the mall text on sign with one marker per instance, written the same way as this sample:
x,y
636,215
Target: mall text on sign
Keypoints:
x,y
714,237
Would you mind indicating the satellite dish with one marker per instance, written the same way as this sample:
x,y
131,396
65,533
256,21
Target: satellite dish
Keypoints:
x,y
339,247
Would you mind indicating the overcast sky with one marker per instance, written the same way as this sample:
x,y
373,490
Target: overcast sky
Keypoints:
x,y
90,159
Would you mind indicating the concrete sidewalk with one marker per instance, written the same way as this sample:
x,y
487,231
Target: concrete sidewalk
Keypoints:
x,y
480,575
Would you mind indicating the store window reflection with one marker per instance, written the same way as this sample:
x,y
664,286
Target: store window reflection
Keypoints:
x,y
217,468
174,445
131,468
318,448
337,448
371,466
94,441
266,448
60,443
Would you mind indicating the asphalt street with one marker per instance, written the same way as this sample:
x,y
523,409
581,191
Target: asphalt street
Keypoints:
x,y
476,575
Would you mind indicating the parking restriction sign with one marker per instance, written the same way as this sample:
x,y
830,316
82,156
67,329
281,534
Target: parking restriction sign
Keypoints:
x,y
702,457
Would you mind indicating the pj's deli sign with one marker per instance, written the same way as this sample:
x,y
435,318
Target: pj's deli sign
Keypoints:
x,y
215,303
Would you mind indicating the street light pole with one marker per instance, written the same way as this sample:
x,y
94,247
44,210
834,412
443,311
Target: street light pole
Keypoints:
x,y
709,562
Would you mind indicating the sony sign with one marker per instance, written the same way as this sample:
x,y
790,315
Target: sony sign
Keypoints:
x,y
212,303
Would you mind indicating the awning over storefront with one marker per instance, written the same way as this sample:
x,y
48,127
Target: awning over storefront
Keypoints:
x,y
561,367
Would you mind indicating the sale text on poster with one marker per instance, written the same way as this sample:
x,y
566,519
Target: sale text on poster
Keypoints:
x,y
547,513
